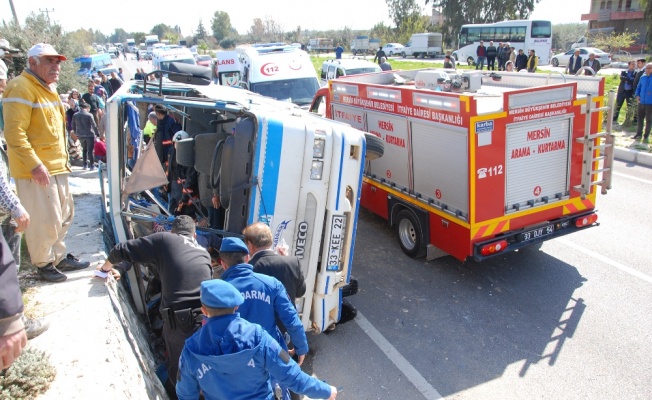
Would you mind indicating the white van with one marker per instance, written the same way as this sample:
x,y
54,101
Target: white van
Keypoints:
x,y
279,71
332,69
162,58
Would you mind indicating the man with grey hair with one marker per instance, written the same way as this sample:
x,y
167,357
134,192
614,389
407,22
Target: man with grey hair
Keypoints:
x,y
150,127
38,160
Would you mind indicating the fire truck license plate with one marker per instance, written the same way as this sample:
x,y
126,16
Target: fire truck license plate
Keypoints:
x,y
537,233
336,242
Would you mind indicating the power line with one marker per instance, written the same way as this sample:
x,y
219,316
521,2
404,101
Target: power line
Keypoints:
x,y
47,12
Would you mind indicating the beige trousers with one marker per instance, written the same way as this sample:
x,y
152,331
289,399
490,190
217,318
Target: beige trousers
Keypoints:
x,y
51,209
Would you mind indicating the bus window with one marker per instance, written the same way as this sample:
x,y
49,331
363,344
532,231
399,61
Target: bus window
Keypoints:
x,y
473,35
517,34
502,34
487,34
541,29
462,41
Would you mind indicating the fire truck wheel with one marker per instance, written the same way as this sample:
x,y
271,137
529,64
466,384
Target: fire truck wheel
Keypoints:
x,y
409,233
375,147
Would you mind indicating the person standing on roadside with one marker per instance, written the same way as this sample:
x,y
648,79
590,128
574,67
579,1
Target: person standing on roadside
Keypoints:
x,y
85,129
574,63
640,70
644,96
492,52
14,218
338,51
93,100
532,62
625,90
380,54
35,131
521,61
481,54
593,63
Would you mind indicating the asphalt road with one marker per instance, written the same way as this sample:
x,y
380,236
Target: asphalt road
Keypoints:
x,y
572,321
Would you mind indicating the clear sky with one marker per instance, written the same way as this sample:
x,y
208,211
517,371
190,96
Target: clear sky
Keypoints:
x,y
135,15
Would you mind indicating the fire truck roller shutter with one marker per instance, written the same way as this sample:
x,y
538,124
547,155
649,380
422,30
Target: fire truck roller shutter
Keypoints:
x,y
537,162
236,171
440,162
375,147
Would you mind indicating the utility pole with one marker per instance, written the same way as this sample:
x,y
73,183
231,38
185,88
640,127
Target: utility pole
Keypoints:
x,y
47,12
13,11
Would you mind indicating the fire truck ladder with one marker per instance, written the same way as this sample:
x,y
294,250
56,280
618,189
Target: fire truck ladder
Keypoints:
x,y
606,149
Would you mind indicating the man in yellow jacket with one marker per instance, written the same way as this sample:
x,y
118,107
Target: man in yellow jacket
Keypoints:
x,y
38,160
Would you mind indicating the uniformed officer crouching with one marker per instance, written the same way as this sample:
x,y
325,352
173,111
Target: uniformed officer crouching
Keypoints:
x,y
231,358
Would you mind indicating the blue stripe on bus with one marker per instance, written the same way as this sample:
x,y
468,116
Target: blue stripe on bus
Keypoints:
x,y
339,178
357,213
271,168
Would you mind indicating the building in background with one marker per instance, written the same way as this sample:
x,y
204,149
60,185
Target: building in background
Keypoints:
x,y
617,16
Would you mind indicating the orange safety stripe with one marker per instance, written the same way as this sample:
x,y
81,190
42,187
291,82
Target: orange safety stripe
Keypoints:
x,y
577,205
491,229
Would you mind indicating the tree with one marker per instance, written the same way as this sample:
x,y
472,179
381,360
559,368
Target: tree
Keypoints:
x,y
201,31
614,42
139,37
163,30
119,36
459,12
37,29
648,21
403,12
221,25
257,30
274,31
564,35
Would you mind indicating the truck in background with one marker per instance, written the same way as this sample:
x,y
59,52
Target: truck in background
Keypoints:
x,y
130,46
321,45
150,41
478,164
422,45
270,161
363,45
280,71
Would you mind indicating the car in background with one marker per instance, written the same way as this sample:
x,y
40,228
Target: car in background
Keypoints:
x,y
113,51
562,59
332,69
204,60
393,49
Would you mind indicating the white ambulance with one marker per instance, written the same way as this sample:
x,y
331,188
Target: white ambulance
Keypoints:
x,y
279,71
227,68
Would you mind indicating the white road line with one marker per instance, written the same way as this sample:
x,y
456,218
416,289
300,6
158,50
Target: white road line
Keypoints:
x,y
632,177
397,359
606,260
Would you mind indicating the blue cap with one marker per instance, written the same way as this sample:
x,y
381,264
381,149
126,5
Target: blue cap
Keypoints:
x,y
233,245
216,293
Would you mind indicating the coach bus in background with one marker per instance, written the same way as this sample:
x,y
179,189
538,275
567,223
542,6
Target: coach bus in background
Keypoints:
x,y
521,34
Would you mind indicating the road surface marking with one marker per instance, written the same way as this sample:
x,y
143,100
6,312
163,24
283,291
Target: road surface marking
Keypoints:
x,y
633,177
397,359
607,260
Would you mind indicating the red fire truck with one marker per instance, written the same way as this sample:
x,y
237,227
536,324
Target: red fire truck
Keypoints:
x,y
477,164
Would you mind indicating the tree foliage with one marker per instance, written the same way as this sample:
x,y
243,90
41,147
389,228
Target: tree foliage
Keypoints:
x,y
614,42
221,25
564,35
459,12
37,29
163,31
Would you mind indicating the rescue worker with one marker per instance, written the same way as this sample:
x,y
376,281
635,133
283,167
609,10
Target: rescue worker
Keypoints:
x,y
231,358
182,264
265,298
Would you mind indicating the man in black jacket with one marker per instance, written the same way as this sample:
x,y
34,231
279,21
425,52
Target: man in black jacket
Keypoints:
x,y
182,265
640,70
286,269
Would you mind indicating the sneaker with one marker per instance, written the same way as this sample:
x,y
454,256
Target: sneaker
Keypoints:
x,y
71,263
34,327
636,137
92,168
85,166
51,274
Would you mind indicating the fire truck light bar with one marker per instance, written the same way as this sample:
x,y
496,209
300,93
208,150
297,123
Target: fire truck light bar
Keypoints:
x,y
339,88
436,102
384,94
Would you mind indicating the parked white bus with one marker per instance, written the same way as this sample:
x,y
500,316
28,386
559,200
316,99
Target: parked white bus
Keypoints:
x,y
521,34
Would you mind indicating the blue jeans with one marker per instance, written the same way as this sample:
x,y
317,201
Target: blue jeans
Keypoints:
x,y
479,64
